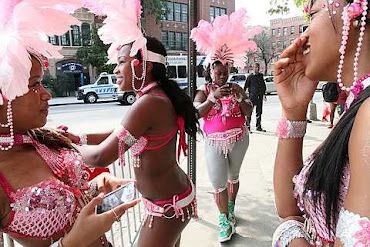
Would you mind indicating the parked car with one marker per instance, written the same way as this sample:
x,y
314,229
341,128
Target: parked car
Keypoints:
x,y
104,88
240,79
270,86
126,98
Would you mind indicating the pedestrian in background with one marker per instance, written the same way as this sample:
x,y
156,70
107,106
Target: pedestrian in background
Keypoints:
x,y
257,89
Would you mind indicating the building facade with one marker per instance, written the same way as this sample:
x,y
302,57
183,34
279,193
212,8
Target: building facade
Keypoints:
x,y
172,29
284,32
71,41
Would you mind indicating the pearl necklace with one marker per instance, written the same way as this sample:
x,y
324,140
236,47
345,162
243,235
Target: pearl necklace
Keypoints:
x,y
5,146
346,27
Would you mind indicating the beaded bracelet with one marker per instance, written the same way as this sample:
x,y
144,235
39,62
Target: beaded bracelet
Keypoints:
x,y
212,98
287,129
83,139
287,232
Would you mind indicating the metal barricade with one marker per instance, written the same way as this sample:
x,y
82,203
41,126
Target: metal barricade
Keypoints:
x,y
125,232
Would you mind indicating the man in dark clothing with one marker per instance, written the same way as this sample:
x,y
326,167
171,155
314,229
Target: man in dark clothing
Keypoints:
x,y
257,88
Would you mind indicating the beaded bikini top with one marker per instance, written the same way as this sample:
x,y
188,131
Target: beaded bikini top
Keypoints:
x,y
49,208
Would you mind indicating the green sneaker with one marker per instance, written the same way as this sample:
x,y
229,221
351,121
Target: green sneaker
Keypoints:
x,y
232,217
226,228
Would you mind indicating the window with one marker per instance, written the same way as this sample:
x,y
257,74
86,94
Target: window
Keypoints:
x,y
200,71
103,81
86,36
302,28
216,11
175,12
273,32
178,41
273,45
182,72
114,79
185,41
170,12
291,41
164,38
292,29
177,8
171,71
278,44
171,40
64,39
279,32
175,40
184,13
284,44
54,40
285,31
76,36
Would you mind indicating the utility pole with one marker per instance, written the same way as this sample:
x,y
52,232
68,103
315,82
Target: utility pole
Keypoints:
x,y
192,83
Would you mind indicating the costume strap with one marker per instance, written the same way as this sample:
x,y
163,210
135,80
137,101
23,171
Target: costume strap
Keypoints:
x,y
147,88
182,139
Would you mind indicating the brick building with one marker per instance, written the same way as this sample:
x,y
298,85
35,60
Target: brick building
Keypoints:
x,y
71,41
284,31
172,29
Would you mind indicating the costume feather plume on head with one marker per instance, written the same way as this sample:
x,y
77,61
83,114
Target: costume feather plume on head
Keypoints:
x,y
24,27
122,26
226,40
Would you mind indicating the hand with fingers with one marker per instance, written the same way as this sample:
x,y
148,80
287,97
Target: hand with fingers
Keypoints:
x,y
90,226
294,88
238,91
222,91
106,182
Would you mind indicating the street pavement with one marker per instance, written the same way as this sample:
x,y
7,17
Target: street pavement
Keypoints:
x,y
255,210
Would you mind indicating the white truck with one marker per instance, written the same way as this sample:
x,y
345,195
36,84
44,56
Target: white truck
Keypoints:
x,y
105,88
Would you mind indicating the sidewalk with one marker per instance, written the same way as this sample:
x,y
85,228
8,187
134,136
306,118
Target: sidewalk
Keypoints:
x,y
255,209
64,101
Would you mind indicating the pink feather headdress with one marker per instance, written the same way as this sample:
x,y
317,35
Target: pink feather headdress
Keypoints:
x,y
122,26
24,28
226,40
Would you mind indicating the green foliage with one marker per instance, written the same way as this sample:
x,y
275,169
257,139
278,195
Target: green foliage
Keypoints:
x,y
95,54
61,86
155,7
282,6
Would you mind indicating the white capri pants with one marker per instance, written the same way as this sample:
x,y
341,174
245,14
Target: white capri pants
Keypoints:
x,y
223,169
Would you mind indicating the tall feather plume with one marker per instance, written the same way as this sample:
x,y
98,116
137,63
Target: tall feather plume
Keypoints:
x,y
122,26
24,27
226,39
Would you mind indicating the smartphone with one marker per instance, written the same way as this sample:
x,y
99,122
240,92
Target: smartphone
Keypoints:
x,y
123,194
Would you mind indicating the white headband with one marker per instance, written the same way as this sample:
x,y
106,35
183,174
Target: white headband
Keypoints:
x,y
156,58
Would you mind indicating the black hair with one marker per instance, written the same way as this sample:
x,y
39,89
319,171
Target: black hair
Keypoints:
x,y
207,71
180,100
329,161
51,138
258,65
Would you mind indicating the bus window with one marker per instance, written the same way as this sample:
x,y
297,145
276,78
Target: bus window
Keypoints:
x,y
171,70
200,71
182,72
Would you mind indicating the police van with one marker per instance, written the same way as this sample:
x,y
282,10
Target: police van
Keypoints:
x,y
177,70
105,88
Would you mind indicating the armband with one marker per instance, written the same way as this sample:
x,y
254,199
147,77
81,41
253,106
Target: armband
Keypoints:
x,y
352,229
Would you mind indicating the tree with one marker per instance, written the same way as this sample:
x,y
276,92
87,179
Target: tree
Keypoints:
x,y
282,6
155,7
96,53
266,50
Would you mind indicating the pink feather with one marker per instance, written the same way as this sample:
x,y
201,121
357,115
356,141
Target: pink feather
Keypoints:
x,y
24,26
226,31
122,26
